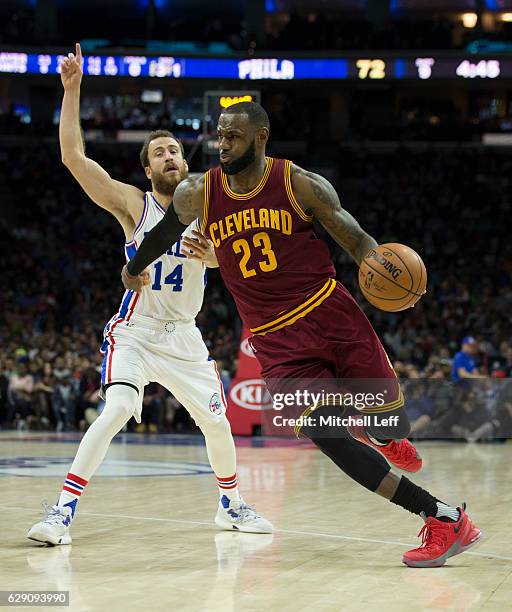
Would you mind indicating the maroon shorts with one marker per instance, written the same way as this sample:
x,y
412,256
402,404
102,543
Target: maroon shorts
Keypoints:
x,y
335,340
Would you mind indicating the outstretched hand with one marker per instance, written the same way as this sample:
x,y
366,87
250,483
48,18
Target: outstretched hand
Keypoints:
x,y
71,69
199,248
135,283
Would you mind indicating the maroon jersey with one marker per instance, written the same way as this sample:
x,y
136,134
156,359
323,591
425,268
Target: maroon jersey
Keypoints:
x,y
275,267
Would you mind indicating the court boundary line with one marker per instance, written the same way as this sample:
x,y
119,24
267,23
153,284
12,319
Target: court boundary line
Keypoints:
x,y
284,531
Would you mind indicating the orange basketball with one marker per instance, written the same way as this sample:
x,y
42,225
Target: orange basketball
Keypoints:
x,y
392,277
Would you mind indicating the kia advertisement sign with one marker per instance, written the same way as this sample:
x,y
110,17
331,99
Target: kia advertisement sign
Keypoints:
x,y
251,394
248,395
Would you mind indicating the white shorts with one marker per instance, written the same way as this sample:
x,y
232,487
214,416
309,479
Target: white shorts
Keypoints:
x,y
170,353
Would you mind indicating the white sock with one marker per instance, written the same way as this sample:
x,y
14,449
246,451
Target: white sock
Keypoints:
x,y
220,448
228,490
121,402
447,511
72,489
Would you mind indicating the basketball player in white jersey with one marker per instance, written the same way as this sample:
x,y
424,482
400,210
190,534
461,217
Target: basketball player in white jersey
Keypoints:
x,y
153,336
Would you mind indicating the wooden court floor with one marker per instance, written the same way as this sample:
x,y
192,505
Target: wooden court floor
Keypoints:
x,y
144,538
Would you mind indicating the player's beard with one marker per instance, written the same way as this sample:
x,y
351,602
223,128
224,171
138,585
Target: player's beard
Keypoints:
x,y
167,184
243,162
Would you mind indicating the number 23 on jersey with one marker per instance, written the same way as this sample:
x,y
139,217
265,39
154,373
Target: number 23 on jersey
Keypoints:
x,y
261,246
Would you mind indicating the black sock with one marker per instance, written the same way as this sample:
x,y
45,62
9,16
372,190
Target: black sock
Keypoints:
x,y
416,500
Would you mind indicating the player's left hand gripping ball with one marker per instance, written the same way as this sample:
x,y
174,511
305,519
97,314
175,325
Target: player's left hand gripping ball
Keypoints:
x,y
392,277
135,283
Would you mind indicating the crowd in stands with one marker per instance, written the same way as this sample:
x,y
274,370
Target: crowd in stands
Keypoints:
x,y
452,208
61,285
383,116
320,32
311,30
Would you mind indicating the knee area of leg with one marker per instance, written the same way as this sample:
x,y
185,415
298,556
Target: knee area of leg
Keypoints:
x,y
398,429
403,427
121,402
217,425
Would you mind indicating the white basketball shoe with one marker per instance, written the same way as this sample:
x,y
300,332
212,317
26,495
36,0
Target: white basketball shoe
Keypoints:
x,y
236,515
54,530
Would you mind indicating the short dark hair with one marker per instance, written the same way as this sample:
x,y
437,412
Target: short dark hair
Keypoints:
x,y
255,112
144,158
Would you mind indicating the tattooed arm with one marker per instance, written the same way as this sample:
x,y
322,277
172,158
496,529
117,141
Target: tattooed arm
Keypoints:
x,y
318,197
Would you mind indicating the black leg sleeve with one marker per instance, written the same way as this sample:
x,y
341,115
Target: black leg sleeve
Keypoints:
x,y
159,239
360,462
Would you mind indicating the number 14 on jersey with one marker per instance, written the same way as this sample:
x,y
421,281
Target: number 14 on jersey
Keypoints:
x,y
174,278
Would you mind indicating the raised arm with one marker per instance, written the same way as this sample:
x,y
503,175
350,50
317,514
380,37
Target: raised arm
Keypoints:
x,y
187,205
108,193
318,197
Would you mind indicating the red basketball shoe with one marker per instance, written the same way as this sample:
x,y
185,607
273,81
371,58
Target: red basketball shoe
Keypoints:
x,y
398,452
440,540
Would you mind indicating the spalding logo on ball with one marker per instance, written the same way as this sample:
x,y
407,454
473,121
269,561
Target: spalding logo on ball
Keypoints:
x,y
392,277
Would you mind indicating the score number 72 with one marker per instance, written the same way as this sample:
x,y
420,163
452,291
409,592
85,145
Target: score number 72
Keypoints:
x,y
371,68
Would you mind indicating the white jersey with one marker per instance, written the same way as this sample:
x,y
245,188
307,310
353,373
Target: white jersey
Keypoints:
x,y
153,337
177,284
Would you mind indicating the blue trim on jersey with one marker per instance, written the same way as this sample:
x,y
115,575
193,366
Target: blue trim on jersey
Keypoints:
x,y
124,306
104,364
142,219
107,328
205,279
130,250
157,203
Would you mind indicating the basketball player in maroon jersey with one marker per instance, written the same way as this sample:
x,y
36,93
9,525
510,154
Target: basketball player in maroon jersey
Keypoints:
x,y
258,212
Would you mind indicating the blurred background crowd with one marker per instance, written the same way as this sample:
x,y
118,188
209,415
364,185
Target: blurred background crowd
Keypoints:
x,y
285,24
63,286
407,157
62,280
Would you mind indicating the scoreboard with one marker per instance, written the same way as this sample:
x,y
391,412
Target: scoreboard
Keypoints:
x,y
367,68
